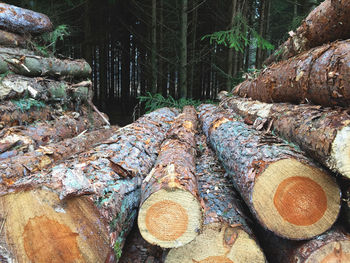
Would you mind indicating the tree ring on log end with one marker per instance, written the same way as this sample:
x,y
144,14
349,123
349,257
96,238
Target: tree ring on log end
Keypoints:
x,y
333,252
170,218
296,200
210,246
340,153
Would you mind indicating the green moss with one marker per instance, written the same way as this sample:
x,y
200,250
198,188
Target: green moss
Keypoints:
x,y
117,250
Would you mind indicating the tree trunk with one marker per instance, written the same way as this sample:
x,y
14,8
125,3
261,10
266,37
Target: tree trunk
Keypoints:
x,y
226,236
22,62
24,139
326,23
194,54
20,20
230,50
170,212
57,204
8,39
22,165
154,47
262,25
264,169
17,86
183,50
320,76
320,132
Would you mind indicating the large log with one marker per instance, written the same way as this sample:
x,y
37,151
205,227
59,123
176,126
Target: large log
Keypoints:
x,y
320,76
8,39
226,236
286,192
17,86
22,165
29,138
49,210
170,213
27,63
321,132
328,22
20,20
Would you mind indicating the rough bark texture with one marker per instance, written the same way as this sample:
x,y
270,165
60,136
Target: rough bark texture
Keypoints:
x,y
320,132
22,20
23,62
225,223
8,39
22,165
16,86
328,22
173,174
28,138
320,76
117,197
248,156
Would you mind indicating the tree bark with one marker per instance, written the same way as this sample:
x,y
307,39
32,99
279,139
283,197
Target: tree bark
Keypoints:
x,y
22,165
170,190
264,168
230,50
183,50
320,132
154,47
328,22
23,62
8,39
52,198
20,20
320,76
24,139
17,86
226,236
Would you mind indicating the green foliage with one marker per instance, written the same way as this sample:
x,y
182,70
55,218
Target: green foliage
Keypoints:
x,y
156,101
117,250
28,103
237,37
46,43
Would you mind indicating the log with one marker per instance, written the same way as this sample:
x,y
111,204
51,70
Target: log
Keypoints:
x,y
328,22
17,87
170,213
20,20
288,194
52,200
320,76
22,165
9,39
226,236
12,115
321,132
27,63
29,138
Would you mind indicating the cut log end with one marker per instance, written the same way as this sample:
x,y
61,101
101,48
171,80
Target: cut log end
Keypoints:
x,y
218,243
295,200
170,218
39,227
340,155
337,252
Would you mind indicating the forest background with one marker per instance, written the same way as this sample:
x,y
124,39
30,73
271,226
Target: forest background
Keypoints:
x,y
177,48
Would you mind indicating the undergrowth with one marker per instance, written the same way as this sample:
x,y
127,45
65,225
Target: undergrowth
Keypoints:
x,y
156,101
28,103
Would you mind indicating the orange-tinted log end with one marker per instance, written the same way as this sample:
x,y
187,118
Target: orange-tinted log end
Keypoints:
x,y
47,240
300,201
166,220
216,260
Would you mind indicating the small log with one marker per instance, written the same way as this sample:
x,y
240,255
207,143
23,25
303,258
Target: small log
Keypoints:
x,y
17,86
170,213
288,194
321,132
26,63
53,200
8,39
20,20
22,165
320,76
29,138
328,22
12,115
226,236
